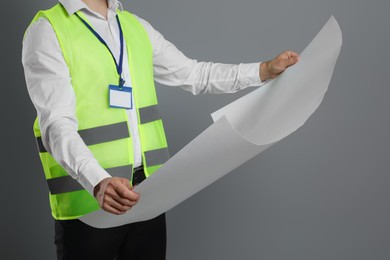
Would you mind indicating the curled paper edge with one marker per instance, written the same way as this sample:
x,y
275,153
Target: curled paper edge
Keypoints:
x,y
273,111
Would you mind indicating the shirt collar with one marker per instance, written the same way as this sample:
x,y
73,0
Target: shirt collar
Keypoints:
x,y
72,6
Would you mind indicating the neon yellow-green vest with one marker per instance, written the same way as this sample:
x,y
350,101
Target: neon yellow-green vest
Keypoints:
x,y
105,130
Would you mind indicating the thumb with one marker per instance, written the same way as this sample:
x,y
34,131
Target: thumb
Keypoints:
x,y
126,183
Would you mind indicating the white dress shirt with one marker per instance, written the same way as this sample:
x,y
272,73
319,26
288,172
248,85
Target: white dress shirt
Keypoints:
x,y
50,87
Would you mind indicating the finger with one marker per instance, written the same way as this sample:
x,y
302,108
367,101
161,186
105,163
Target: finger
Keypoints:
x,y
112,210
292,61
293,57
115,204
125,193
111,192
292,54
125,202
287,62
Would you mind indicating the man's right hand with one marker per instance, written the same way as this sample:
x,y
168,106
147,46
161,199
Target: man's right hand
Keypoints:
x,y
115,195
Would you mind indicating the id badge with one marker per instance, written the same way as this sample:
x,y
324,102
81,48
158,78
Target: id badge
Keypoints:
x,y
120,97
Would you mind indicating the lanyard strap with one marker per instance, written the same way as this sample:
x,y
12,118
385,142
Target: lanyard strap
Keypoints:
x,y
119,66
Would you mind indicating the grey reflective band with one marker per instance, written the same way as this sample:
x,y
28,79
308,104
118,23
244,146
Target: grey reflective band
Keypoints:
x,y
63,184
157,157
66,183
121,171
149,114
97,135
41,148
105,133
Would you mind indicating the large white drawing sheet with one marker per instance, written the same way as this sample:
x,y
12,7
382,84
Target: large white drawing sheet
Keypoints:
x,y
240,131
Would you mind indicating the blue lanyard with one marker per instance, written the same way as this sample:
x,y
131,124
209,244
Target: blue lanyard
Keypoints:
x,y
119,66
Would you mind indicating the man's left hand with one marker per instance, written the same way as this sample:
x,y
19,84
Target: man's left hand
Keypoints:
x,y
273,68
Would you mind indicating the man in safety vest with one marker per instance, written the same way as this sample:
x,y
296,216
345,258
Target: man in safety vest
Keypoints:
x,y
90,69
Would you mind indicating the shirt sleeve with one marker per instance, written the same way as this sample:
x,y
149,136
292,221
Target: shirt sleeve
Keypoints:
x,y
49,86
173,68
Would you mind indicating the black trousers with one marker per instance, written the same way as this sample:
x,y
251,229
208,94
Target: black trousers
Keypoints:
x,y
137,241
144,240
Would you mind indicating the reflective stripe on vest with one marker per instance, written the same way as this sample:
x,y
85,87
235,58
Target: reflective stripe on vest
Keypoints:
x,y
156,157
66,184
104,130
100,134
149,114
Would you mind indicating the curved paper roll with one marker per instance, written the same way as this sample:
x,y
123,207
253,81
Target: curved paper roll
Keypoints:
x,y
241,130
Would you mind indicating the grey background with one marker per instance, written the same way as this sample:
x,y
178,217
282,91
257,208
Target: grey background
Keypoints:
x,y
322,193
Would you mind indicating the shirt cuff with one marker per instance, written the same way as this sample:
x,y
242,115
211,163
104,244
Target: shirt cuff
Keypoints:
x,y
92,175
249,74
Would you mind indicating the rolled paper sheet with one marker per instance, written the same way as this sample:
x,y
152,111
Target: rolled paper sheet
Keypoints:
x,y
241,130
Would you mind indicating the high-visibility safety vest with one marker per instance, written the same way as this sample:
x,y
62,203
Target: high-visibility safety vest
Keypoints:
x,y
104,130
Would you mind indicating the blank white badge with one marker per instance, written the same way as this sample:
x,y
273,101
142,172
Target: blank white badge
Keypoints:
x,y
120,97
